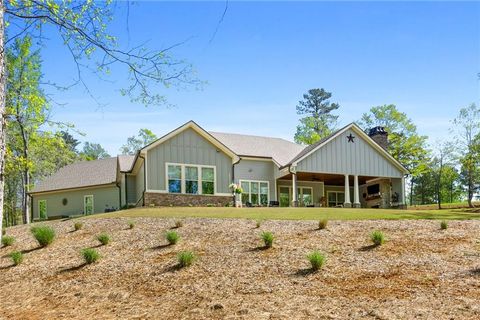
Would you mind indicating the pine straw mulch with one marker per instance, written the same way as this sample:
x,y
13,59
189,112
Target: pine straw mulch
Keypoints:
x,y
421,272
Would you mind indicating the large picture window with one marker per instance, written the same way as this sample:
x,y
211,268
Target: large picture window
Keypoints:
x,y
335,198
255,192
190,179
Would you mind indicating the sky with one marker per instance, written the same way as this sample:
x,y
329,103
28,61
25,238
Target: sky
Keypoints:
x,y
260,59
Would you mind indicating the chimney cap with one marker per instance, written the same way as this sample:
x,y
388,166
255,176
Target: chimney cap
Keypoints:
x,y
378,130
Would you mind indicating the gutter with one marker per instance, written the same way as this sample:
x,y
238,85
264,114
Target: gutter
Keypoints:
x,y
119,195
233,178
144,178
126,190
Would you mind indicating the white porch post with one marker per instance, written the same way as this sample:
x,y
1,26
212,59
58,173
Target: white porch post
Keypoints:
x,y
347,203
402,198
294,190
356,195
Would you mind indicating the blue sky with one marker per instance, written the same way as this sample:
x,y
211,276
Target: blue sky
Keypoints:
x,y
422,56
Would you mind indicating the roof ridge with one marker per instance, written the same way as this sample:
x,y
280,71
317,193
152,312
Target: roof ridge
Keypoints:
x,y
252,135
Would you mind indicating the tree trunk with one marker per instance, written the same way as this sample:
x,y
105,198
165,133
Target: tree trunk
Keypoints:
x,y
470,190
26,177
3,111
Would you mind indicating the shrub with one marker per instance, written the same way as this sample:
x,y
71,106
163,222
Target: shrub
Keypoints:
x,y
444,225
172,237
17,257
131,224
210,205
4,231
317,260
7,241
267,238
178,223
258,223
186,258
103,238
377,237
90,255
78,226
44,235
322,224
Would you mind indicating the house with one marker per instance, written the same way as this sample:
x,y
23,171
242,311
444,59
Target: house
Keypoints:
x,y
191,166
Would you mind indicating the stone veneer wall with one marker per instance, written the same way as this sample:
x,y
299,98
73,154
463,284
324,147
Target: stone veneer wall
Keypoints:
x,y
184,200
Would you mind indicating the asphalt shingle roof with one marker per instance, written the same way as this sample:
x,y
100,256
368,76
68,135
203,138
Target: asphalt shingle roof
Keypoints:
x,y
81,174
281,150
125,162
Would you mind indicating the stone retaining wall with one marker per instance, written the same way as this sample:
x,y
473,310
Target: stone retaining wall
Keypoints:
x,y
184,200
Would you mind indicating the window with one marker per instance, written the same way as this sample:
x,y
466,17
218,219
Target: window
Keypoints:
x,y
88,207
174,179
284,197
208,181
42,209
255,192
305,197
335,198
190,179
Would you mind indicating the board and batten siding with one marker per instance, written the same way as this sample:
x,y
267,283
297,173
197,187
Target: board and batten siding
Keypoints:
x,y
107,196
140,184
187,147
258,171
131,189
342,157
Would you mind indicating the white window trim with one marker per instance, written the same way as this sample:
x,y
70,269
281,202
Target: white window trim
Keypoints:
x,y
183,184
250,193
290,191
336,200
85,206
46,208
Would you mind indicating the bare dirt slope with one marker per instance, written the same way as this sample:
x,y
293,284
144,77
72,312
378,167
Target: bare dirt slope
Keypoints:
x,y
421,272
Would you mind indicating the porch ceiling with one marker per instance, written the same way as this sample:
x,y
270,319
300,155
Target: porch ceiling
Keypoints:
x,y
328,179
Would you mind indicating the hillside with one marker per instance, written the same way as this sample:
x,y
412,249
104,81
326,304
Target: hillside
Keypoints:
x,y
421,271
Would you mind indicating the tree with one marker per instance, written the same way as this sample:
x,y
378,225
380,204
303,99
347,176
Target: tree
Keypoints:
x,y
70,141
93,151
467,134
318,121
442,158
82,26
135,143
405,144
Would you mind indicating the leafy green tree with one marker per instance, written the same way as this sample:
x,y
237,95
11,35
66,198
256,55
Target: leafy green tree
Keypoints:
x,y
318,121
467,133
135,143
70,141
442,158
93,151
405,143
451,184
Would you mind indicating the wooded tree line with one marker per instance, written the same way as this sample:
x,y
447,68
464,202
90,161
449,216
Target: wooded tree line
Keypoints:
x,y
445,171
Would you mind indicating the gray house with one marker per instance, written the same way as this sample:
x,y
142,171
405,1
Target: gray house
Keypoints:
x,y
191,166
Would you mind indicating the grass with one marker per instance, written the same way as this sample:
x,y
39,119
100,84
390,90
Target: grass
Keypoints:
x,y
322,224
90,255
186,258
131,224
7,241
17,257
293,213
103,238
43,234
377,237
78,226
267,238
317,260
444,225
172,237
178,224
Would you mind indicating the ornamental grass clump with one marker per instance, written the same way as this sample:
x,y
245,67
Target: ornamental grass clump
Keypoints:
x,y
131,224
178,224
258,223
317,260
444,225
17,257
186,258
44,235
7,241
78,226
377,238
172,237
322,224
267,238
90,255
103,238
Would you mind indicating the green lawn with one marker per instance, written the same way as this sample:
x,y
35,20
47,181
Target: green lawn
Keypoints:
x,y
293,213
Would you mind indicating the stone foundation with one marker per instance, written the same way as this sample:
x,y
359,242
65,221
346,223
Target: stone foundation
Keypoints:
x,y
186,200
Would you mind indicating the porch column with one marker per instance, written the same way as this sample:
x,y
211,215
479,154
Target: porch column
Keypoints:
x,y
402,198
356,195
347,203
294,190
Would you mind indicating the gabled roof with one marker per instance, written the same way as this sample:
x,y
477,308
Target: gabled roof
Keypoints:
x,y
81,174
125,162
279,150
353,126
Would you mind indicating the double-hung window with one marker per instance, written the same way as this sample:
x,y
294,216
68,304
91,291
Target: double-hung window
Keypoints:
x,y
190,179
255,192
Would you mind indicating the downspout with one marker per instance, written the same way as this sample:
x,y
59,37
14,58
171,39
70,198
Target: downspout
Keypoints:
x,y
144,179
233,180
126,192
119,195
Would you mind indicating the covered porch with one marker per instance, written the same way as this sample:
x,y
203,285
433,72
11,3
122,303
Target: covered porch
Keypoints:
x,y
307,189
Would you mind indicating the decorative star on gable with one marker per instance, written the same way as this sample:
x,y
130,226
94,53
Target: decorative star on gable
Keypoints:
x,y
350,138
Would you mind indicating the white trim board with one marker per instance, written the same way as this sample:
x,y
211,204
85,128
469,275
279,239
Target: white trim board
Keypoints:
x,y
183,180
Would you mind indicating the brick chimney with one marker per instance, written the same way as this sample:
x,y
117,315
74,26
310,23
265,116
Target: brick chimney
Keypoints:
x,y
380,136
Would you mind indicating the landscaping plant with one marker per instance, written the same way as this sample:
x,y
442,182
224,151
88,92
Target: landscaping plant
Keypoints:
x,y
186,258
172,237
178,223
267,238
44,235
17,257
103,238
322,224
7,241
78,226
377,237
317,260
444,225
131,224
90,255
258,223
